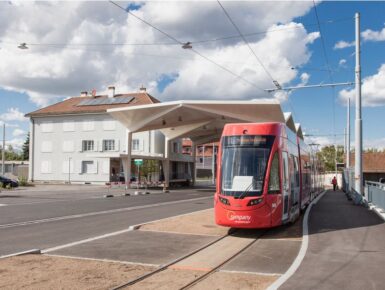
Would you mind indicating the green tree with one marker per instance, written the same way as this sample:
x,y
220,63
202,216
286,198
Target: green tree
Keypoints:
x,y
327,156
25,148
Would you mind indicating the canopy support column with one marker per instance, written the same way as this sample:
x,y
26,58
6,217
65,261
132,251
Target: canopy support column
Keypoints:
x,y
127,161
194,168
166,165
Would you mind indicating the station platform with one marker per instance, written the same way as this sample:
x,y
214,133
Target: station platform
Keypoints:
x,y
346,247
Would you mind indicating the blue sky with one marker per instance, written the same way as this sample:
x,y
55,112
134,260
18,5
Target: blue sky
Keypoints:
x,y
313,108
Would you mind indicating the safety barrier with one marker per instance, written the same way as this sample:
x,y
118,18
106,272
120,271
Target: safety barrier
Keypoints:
x,y
375,194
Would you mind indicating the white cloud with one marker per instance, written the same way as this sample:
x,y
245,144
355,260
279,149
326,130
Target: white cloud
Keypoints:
x,y
50,73
304,78
373,90
343,44
371,35
13,114
18,132
16,143
374,143
342,62
323,140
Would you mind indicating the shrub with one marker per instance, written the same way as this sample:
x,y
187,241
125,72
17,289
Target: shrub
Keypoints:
x,y
8,186
1,185
23,181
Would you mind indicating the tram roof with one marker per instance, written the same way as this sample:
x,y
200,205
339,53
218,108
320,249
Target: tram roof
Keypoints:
x,y
201,121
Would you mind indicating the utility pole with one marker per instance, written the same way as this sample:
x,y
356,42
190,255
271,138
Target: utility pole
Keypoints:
x,y
69,170
358,121
3,152
348,136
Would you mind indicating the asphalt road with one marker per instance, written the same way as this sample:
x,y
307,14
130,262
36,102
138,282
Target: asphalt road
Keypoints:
x,y
43,224
346,248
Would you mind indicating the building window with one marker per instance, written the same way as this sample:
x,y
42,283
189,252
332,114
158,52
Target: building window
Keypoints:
x,y
135,144
88,145
47,127
200,160
108,145
89,167
175,147
88,125
46,167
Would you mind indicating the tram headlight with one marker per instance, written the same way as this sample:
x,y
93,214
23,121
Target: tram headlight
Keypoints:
x,y
255,201
224,200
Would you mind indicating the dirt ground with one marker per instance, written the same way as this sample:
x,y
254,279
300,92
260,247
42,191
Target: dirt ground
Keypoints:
x,y
235,281
201,223
49,272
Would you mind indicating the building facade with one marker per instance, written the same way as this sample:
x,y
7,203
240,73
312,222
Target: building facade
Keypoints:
x,y
77,141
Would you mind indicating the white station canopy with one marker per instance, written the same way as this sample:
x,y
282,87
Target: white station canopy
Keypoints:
x,y
201,121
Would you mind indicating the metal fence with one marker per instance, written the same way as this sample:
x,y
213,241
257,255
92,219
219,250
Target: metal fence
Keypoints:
x,y
375,194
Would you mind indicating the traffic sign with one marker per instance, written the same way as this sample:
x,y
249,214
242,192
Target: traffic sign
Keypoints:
x,y
138,162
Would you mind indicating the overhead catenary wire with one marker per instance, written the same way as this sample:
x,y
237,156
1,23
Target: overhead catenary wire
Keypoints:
x,y
66,44
181,43
275,82
245,40
329,71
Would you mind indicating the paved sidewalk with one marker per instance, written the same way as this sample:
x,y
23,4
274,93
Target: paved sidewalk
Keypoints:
x,y
346,248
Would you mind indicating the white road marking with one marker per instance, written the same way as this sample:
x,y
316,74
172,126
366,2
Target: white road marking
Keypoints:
x,y
302,252
3,204
33,251
129,229
251,273
99,213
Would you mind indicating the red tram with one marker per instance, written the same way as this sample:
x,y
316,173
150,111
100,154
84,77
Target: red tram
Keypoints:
x,y
266,176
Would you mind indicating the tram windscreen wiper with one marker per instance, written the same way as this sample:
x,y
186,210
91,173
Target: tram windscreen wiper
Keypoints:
x,y
247,189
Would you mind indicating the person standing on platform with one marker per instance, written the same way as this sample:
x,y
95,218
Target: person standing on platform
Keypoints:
x,y
334,182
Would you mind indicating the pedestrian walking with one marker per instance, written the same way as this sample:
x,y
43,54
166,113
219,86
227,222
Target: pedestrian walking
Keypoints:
x,y
334,182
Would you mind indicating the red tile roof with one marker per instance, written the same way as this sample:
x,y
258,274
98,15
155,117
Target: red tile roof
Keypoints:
x,y
70,106
371,161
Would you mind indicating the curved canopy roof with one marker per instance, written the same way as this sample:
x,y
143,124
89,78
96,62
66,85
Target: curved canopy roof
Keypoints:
x,y
201,121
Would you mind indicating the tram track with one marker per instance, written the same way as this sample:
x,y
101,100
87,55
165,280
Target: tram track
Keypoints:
x,y
196,281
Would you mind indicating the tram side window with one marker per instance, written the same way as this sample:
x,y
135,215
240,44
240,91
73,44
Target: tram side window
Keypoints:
x,y
296,171
274,176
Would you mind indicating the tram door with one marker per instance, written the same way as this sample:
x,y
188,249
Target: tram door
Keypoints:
x,y
285,186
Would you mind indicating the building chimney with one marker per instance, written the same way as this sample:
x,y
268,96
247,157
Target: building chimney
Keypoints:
x,y
111,91
84,94
142,89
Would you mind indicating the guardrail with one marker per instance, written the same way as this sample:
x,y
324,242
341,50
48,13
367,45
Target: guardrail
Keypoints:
x,y
375,194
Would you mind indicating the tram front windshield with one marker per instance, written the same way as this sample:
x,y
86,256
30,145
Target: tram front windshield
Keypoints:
x,y
244,162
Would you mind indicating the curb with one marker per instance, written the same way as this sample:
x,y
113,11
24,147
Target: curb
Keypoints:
x,y
28,252
303,249
379,211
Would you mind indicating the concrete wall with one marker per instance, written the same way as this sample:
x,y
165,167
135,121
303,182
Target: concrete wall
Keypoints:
x,y
327,179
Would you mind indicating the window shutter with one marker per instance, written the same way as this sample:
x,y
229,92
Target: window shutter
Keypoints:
x,y
117,144
101,146
95,166
80,146
96,145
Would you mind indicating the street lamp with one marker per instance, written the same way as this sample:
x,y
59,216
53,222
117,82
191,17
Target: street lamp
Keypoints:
x,y
22,46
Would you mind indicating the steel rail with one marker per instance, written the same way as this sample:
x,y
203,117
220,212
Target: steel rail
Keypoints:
x,y
165,266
